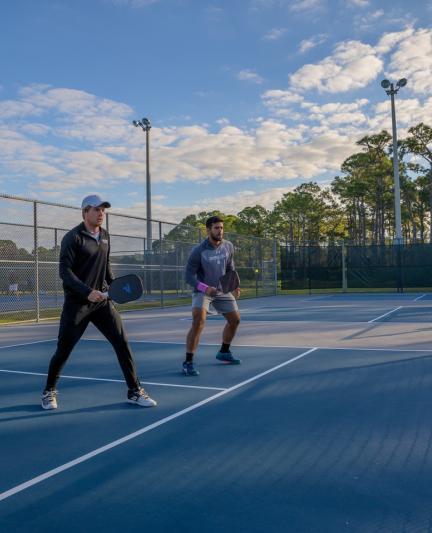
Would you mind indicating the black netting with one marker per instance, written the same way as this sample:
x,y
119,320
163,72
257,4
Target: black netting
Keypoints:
x,y
356,267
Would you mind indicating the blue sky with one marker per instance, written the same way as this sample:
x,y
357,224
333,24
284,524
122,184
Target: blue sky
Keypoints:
x,y
247,98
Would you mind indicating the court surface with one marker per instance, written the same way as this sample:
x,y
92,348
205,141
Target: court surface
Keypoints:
x,y
324,427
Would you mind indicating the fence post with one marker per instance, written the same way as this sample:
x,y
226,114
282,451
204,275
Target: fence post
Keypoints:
x,y
275,265
177,269
161,277
399,266
344,271
144,266
36,259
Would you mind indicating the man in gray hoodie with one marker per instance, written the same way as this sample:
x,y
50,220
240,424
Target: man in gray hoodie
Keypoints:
x,y
206,264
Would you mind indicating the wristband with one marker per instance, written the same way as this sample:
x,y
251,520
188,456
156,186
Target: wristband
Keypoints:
x,y
202,287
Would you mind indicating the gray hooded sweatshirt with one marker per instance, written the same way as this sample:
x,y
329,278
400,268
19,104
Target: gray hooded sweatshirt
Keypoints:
x,y
207,263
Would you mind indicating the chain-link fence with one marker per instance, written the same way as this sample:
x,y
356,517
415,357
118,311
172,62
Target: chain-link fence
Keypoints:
x,y
356,268
30,238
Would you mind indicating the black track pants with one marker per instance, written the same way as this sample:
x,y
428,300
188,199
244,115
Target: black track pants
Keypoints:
x,y
74,320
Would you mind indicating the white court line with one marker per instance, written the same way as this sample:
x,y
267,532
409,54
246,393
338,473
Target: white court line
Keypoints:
x,y
302,308
267,346
318,298
114,380
420,297
177,343
386,314
27,343
126,438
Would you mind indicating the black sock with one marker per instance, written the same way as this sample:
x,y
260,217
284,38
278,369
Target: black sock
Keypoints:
x,y
189,357
225,348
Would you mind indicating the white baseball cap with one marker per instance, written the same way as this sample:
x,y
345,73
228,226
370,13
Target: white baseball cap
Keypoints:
x,y
94,200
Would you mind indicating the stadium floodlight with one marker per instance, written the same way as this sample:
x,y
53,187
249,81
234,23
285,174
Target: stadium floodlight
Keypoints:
x,y
391,90
145,125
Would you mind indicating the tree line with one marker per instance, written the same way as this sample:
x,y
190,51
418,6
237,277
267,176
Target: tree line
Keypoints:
x,y
357,206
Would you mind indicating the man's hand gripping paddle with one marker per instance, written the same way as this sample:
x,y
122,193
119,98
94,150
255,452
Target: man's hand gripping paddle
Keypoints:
x,y
125,289
229,282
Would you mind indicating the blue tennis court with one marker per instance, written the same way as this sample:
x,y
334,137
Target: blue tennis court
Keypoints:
x,y
330,435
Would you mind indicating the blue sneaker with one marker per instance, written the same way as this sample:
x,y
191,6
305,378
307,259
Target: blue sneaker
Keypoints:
x,y
227,357
189,369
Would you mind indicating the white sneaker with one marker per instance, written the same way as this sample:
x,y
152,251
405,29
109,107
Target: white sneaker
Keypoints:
x,y
49,399
140,397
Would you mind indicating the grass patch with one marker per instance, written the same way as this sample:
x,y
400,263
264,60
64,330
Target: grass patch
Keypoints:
x,y
54,313
13,317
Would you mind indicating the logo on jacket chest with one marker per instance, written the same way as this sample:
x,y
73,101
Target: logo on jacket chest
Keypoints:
x,y
215,257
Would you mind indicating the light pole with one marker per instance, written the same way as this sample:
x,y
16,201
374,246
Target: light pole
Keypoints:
x,y
145,125
391,90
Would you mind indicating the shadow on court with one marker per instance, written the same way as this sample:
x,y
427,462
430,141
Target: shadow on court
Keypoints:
x,y
307,449
294,439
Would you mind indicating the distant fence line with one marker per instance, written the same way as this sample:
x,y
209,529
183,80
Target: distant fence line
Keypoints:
x,y
342,267
31,232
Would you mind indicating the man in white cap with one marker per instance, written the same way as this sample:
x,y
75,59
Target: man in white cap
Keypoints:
x,y
86,273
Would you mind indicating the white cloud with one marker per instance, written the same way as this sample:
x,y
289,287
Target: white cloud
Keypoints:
x,y
307,44
278,98
270,151
352,66
133,3
77,114
358,3
305,5
235,203
338,114
79,139
37,129
13,108
250,75
413,60
368,21
274,34
390,40
409,112
229,204
71,102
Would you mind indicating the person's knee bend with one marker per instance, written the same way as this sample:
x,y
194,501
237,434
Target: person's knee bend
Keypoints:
x,y
198,322
234,321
